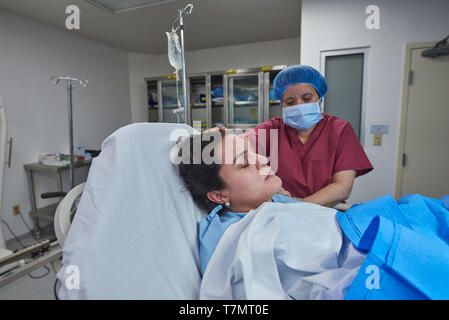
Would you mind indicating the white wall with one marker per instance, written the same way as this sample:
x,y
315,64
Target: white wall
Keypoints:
x,y
331,25
140,67
259,54
30,54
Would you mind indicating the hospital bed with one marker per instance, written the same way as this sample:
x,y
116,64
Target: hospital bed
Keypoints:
x,y
134,233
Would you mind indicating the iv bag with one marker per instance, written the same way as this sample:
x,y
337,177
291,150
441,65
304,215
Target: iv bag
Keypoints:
x,y
174,51
174,56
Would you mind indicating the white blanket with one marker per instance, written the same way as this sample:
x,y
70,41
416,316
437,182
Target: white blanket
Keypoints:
x,y
282,251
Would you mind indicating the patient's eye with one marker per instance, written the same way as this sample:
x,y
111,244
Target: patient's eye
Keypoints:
x,y
246,163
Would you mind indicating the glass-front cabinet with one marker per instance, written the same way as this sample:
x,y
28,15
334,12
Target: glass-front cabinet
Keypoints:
x,y
234,98
170,99
243,100
272,106
153,103
199,101
217,100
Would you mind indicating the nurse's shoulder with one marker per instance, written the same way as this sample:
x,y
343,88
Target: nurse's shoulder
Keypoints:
x,y
273,123
336,125
264,127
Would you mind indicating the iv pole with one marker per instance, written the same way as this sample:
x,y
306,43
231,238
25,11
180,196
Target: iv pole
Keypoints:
x,y
55,80
180,18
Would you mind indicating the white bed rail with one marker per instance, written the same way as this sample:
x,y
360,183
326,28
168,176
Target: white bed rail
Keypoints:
x,y
65,211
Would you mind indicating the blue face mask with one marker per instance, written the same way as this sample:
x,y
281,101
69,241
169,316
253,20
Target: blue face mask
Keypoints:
x,y
302,116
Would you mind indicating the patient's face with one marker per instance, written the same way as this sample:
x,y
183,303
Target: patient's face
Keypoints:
x,y
248,178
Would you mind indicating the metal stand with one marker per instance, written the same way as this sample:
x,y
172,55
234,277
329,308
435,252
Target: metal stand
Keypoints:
x,y
83,83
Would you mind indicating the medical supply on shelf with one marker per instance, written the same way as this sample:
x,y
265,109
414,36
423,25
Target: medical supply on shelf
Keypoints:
x,y
52,159
199,125
61,160
218,100
217,92
152,101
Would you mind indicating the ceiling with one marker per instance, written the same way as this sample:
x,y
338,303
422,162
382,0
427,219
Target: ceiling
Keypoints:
x,y
212,23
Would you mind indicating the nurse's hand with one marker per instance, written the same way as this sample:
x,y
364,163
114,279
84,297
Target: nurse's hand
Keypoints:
x,y
215,129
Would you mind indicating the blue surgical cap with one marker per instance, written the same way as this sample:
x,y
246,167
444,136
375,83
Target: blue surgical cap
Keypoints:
x,y
299,74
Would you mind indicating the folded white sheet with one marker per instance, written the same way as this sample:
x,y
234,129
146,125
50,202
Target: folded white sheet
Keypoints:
x,y
282,251
134,235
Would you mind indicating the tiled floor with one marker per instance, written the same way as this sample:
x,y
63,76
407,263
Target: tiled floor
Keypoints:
x,y
26,288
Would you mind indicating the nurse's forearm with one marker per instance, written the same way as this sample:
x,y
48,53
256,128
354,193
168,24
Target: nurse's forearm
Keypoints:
x,y
337,191
330,195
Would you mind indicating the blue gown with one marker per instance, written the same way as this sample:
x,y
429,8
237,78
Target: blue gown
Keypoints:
x,y
407,244
212,228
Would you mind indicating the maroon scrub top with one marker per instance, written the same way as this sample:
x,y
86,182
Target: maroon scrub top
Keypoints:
x,y
307,168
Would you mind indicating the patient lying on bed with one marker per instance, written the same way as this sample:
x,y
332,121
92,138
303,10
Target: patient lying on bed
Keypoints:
x,y
258,244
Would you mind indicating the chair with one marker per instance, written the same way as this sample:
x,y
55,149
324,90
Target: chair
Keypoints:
x,y
65,211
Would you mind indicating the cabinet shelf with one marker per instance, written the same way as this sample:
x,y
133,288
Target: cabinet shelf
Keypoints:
x,y
199,105
244,103
170,106
46,213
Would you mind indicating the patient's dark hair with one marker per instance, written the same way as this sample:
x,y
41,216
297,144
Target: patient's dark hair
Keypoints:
x,y
201,178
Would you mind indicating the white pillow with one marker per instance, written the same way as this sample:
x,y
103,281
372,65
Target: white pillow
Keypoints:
x,y
134,235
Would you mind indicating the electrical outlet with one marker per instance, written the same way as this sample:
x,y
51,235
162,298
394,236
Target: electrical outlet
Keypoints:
x,y
377,139
16,209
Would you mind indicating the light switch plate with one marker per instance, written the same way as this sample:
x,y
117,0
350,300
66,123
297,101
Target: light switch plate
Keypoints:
x,y
377,140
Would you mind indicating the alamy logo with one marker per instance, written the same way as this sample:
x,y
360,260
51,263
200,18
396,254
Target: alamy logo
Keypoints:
x,y
372,22
183,152
72,281
373,280
73,20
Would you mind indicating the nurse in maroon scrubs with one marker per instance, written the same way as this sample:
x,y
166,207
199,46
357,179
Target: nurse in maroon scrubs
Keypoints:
x,y
318,155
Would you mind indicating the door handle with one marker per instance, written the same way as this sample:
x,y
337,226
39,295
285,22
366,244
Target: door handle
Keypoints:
x,y
404,159
10,152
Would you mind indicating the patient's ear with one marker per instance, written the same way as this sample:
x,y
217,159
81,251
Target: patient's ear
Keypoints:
x,y
218,197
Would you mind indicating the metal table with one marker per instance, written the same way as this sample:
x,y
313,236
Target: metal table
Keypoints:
x,y
46,212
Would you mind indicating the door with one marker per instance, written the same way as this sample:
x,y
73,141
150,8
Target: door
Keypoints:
x,y
424,166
